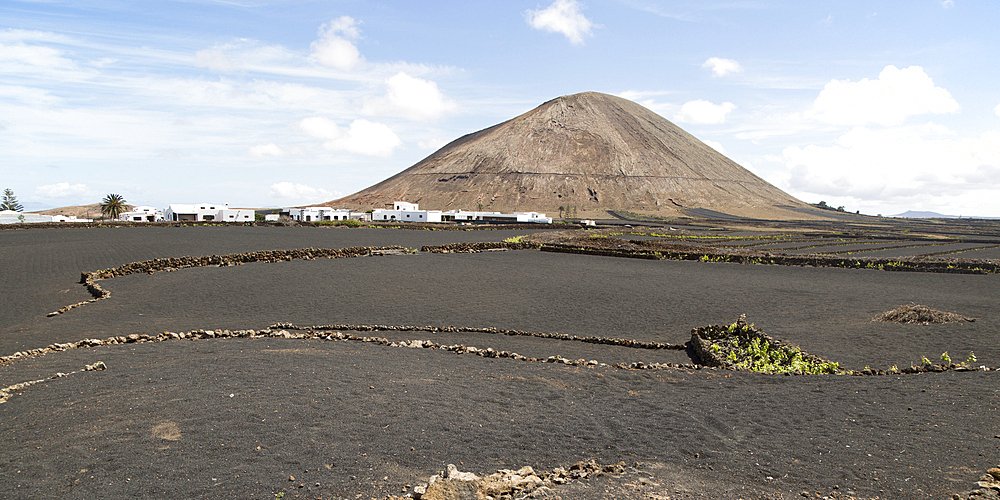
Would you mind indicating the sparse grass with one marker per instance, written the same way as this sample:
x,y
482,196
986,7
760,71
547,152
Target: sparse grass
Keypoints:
x,y
346,223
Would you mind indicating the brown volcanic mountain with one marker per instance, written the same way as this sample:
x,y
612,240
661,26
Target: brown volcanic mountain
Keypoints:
x,y
588,153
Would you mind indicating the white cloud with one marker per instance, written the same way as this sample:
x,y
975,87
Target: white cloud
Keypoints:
x,y
638,95
61,190
18,54
715,145
19,35
28,95
722,67
299,192
947,4
362,136
320,127
916,167
434,144
888,100
169,154
997,110
335,48
645,99
704,112
216,59
272,149
242,96
563,17
411,98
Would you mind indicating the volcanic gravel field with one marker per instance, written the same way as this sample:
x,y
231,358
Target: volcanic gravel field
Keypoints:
x,y
313,418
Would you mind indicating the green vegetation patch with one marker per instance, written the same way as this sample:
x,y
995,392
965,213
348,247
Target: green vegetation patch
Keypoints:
x,y
346,223
740,346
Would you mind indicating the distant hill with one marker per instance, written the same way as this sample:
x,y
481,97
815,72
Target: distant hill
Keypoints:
x,y
915,214
587,153
92,211
35,206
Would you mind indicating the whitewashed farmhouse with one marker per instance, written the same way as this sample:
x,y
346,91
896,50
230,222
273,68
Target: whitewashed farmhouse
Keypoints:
x,y
208,212
142,214
312,214
406,212
410,212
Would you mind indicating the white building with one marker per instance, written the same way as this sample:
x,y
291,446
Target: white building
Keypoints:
x,y
67,218
406,212
516,217
208,212
410,212
311,214
142,214
12,217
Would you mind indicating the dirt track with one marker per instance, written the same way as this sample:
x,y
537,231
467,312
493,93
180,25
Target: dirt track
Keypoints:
x,y
160,421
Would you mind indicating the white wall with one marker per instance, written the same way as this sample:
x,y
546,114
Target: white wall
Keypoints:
x,y
208,212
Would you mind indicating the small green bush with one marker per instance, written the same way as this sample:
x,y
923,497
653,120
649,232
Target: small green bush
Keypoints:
x,y
347,223
746,348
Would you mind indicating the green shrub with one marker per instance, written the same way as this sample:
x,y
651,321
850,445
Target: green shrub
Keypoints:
x,y
347,223
749,349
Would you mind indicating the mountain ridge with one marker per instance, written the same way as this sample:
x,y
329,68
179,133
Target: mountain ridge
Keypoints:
x,y
588,153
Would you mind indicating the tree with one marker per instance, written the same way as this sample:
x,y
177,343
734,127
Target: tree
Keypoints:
x,y
114,205
10,201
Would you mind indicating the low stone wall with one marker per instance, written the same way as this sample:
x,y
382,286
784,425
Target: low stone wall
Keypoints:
x,y
485,246
89,279
813,260
333,333
637,344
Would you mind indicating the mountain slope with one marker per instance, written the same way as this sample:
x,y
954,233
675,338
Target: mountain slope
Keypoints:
x,y
587,153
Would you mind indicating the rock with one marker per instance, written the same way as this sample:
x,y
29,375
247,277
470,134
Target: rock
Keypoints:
x,y
454,474
452,489
995,472
988,485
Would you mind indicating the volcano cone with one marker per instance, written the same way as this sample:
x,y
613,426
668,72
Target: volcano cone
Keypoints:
x,y
586,154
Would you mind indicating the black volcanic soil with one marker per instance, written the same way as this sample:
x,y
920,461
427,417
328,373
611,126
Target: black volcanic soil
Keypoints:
x,y
237,417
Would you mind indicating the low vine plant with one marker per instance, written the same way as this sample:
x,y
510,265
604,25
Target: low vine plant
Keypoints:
x,y
757,355
740,346
946,363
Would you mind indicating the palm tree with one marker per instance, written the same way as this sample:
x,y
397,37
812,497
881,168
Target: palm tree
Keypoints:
x,y
114,205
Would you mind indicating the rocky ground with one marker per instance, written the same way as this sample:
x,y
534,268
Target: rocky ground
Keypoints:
x,y
404,373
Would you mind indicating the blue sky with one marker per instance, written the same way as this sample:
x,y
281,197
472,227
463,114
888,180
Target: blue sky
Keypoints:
x,y
879,106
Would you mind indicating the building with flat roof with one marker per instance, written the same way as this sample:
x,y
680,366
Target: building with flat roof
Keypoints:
x,y
142,214
208,212
410,212
312,214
